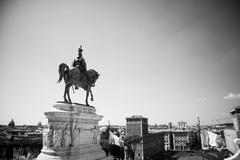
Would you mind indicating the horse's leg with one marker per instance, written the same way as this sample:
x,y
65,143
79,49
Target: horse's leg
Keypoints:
x,y
68,94
91,94
87,93
65,93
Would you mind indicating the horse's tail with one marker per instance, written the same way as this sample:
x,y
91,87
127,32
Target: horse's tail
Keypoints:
x,y
63,70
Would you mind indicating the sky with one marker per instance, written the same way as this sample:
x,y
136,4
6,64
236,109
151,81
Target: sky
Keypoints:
x,y
167,60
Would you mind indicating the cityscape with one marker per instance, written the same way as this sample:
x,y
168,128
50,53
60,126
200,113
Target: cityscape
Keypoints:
x,y
120,80
163,141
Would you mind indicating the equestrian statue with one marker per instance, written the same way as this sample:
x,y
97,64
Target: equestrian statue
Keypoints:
x,y
78,76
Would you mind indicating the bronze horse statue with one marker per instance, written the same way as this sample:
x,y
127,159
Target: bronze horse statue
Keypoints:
x,y
74,77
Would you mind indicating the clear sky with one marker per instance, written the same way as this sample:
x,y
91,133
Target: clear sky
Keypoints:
x,y
165,60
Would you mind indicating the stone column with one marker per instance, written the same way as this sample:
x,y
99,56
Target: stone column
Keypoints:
x,y
236,117
71,134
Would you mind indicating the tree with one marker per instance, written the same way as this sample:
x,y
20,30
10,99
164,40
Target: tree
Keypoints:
x,y
131,143
132,139
104,137
39,125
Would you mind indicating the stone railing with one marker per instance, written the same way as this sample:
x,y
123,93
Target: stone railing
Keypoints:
x,y
236,156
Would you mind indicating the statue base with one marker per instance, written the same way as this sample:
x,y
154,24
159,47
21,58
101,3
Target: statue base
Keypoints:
x,y
85,152
72,134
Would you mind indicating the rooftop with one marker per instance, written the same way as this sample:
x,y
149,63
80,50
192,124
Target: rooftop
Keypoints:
x,y
236,109
136,117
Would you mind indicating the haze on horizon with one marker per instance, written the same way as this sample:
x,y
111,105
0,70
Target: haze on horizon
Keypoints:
x,y
166,60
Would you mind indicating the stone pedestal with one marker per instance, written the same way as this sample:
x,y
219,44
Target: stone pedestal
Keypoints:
x,y
72,133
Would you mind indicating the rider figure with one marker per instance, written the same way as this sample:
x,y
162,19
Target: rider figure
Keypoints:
x,y
80,63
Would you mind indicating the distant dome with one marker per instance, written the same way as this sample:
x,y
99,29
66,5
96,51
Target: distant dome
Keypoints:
x,y
11,124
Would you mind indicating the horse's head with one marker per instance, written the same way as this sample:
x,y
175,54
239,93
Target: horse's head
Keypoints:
x,y
93,76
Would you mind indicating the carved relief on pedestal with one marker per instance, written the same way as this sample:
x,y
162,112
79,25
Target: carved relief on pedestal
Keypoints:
x,y
95,135
76,136
57,136
67,137
61,135
47,137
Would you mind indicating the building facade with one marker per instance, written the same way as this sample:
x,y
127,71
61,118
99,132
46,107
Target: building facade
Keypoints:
x,y
137,125
184,140
151,143
182,125
168,140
